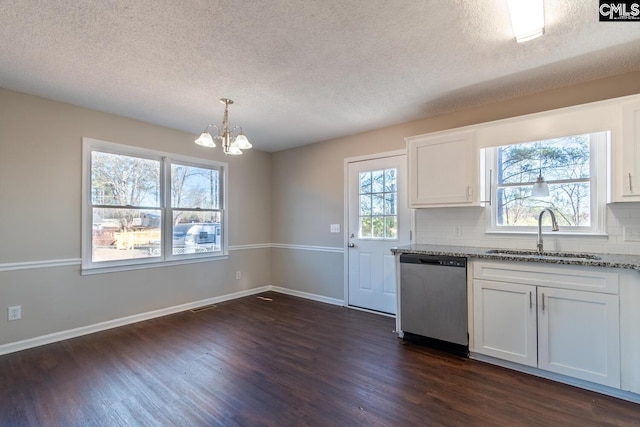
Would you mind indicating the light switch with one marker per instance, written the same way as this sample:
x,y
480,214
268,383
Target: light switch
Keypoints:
x,y
334,228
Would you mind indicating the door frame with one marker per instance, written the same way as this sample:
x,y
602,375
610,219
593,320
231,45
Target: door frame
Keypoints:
x,y
345,221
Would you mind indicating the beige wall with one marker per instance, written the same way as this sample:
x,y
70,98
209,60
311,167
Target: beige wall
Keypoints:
x,y
308,189
40,182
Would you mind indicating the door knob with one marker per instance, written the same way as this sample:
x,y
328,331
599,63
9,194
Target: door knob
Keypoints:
x,y
351,245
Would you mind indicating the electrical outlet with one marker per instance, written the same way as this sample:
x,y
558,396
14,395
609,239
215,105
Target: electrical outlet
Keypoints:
x,y
632,234
457,231
238,275
14,313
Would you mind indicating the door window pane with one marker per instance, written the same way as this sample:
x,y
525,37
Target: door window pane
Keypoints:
x,y
391,226
365,226
378,204
377,181
377,207
390,180
365,204
365,182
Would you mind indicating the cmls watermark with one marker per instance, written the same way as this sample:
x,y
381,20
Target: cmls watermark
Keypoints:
x,y
619,11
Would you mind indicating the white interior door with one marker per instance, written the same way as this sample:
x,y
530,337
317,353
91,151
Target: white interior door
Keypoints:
x,y
378,219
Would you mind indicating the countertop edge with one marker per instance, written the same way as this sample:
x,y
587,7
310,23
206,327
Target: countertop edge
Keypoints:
x,y
606,260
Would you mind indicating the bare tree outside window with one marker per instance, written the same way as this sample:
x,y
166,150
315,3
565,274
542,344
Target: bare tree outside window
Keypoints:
x,y
378,215
565,164
126,202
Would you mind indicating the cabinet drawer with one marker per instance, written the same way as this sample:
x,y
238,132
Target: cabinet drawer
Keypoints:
x,y
590,279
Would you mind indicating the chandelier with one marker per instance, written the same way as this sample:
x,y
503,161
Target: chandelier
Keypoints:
x,y
231,144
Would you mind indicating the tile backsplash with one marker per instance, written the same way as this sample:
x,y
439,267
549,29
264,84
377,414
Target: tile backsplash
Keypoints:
x,y
438,226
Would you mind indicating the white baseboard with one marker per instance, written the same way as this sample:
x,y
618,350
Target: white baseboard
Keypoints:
x,y
85,330
609,391
306,295
366,310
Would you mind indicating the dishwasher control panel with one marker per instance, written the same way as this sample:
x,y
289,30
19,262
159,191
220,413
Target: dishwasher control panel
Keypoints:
x,y
454,263
444,261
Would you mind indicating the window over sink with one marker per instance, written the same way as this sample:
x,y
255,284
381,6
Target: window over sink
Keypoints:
x,y
575,169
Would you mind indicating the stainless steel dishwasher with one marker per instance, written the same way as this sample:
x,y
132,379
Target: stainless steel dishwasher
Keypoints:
x,y
433,300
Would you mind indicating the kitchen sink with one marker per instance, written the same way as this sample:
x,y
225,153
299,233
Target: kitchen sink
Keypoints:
x,y
543,254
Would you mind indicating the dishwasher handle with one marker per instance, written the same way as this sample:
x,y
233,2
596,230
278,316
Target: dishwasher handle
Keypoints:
x,y
430,261
440,260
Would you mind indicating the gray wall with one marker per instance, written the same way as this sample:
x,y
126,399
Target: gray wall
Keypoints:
x,y
288,198
40,182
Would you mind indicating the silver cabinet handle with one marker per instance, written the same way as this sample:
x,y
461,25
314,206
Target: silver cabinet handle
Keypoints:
x,y
351,245
630,185
490,187
530,300
542,302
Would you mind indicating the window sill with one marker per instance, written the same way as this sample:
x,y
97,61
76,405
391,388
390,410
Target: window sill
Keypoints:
x,y
548,233
85,271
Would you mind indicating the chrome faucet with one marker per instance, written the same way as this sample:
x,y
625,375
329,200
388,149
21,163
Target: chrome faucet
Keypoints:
x,y
554,226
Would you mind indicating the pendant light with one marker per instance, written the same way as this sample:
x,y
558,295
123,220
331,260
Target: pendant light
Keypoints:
x,y
231,144
540,188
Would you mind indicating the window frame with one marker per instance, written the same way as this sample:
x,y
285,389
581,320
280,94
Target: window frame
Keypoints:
x,y
599,172
384,215
166,257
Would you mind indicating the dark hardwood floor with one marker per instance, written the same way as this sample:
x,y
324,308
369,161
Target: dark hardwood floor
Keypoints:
x,y
285,362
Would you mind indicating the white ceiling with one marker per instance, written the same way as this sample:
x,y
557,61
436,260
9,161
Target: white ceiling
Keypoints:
x,y
299,71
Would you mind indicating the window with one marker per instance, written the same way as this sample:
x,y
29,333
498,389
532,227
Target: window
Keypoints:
x,y
574,167
142,207
378,217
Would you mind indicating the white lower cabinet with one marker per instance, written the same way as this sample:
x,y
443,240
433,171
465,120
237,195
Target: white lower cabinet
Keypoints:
x,y
505,321
566,331
579,335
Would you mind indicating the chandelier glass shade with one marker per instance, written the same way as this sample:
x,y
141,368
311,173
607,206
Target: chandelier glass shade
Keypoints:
x,y
232,139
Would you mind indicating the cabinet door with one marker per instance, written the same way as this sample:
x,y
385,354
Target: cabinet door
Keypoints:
x,y
442,171
578,335
630,171
505,321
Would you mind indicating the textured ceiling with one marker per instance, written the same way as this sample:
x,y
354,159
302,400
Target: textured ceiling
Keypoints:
x,y
299,71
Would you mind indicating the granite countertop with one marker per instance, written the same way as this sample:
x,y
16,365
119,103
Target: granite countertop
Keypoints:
x,y
571,258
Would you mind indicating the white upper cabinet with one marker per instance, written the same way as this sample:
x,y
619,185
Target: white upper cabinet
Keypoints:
x,y
444,167
443,170
629,173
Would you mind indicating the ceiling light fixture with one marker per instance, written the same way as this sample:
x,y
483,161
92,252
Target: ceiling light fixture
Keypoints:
x,y
540,188
231,144
527,19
